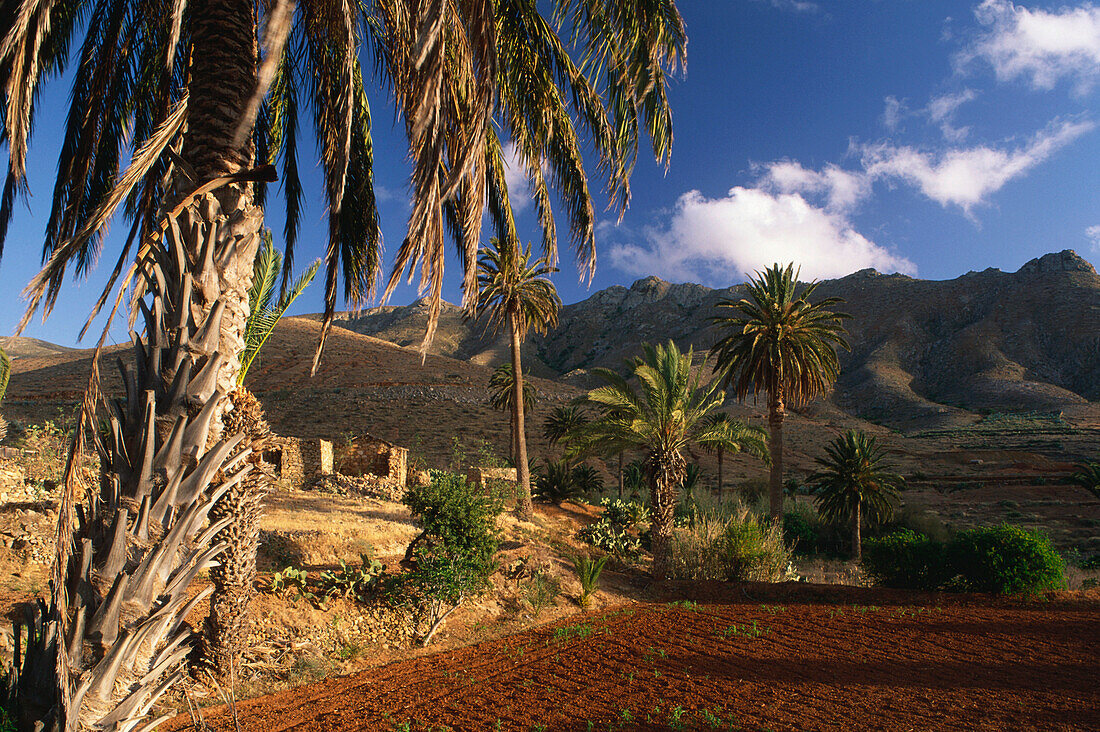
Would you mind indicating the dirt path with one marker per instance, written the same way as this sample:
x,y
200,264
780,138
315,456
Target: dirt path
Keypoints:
x,y
971,665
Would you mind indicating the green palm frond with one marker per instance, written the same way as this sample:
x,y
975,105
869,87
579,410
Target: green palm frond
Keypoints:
x,y
855,476
1087,476
502,390
777,341
726,434
264,314
563,422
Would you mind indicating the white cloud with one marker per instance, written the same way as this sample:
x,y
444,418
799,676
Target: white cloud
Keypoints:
x,y
1093,234
894,112
519,188
1039,46
720,240
842,189
965,177
797,6
941,110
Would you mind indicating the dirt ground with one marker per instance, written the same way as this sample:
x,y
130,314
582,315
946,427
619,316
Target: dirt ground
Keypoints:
x,y
863,659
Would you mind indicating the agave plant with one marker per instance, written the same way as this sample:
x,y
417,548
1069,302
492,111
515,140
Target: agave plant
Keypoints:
x,y
114,635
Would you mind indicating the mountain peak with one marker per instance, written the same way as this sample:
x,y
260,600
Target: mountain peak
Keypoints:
x,y
1066,260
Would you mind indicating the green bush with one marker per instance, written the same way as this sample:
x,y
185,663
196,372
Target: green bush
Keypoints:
x,y
1002,559
799,532
453,554
753,489
614,532
728,544
1006,559
455,517
908,560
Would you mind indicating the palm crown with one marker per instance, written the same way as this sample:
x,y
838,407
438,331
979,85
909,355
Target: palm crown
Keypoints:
x,y
513,287
777,339
145,73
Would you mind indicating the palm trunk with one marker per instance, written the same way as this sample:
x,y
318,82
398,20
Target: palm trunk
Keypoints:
x,y
620,474
775,448
720,475
227,625
523,470
666,472
117,637
857,544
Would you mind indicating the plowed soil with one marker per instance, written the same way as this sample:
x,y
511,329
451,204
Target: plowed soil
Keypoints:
x,y
968,663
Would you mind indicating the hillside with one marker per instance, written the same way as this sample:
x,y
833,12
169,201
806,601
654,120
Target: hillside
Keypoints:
x,y
924,353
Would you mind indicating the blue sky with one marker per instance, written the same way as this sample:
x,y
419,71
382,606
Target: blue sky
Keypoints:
x,y
921,136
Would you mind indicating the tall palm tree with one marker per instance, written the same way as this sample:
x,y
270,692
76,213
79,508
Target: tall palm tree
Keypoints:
x,y
502,397
516,292
732,435
778,342
855,484
180,88
661,417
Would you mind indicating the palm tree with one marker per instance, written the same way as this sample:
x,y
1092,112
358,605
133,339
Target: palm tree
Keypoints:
x,y
780,343
181,89
665,414
732,435
563,423
855,484
516,293
1088,477
502,395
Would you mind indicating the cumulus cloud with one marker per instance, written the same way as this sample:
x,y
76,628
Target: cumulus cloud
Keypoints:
x,y
841,189
519,188
1039,46
718,241
965,177
1093,234
941,111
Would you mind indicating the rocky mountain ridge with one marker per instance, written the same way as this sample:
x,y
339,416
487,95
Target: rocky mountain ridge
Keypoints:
x,y
923,351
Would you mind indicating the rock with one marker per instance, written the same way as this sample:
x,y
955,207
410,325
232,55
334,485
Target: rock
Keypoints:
x,y
1066,260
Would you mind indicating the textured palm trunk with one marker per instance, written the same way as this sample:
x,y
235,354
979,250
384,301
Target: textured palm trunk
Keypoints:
x,y
523,469
620,474
720,496
857,543
776,413
666,472
116,638
234,577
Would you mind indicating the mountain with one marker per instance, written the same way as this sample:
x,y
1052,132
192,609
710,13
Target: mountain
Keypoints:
x,y
924,352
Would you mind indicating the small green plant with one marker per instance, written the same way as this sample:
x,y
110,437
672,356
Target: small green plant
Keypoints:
x,y
569,632
588,574
685,605
555,483
541,591
743,631
614,531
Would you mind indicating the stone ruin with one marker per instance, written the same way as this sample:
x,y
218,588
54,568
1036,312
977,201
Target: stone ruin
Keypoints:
x,y
364,465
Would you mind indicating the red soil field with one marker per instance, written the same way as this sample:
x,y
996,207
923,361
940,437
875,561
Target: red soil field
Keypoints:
x,y
949,663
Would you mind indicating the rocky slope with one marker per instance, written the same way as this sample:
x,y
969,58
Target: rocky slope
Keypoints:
x,y
923,352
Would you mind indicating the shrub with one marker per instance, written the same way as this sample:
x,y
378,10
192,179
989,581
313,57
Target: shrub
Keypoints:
x,y
453,555
1002,559
587,480
728,544
799,532
455,517
753,489
1006,559
613,531
556,483
907,560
